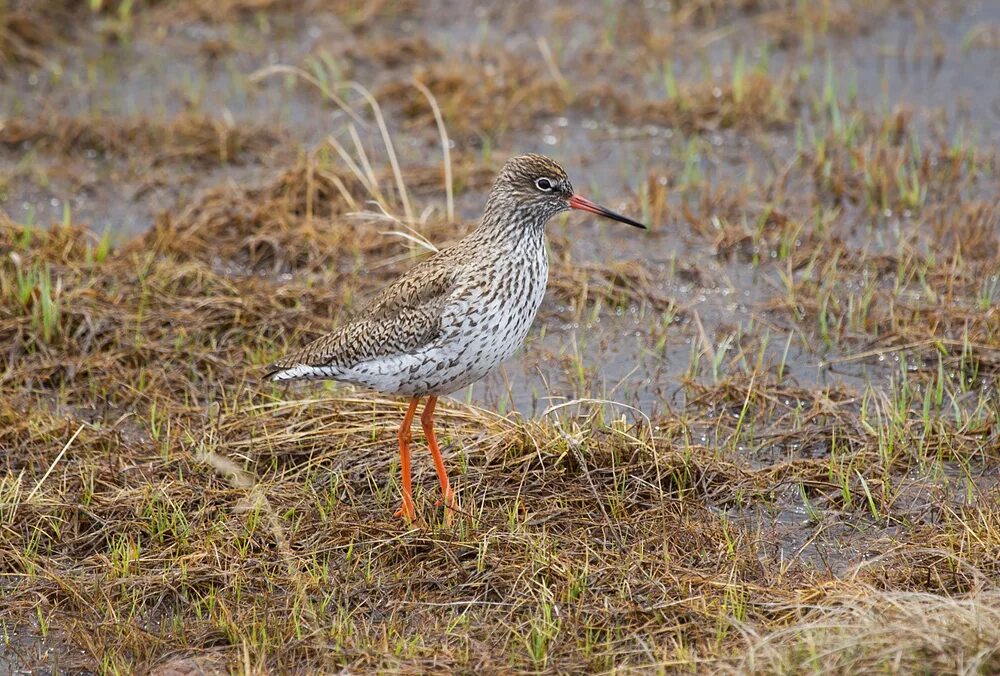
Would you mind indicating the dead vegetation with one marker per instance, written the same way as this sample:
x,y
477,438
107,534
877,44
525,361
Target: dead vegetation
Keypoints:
x,y
210,509
22,37
489,98
194,140
480,95
814,488
865,632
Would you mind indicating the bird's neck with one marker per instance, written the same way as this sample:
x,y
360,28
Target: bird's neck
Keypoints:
x,y
504,220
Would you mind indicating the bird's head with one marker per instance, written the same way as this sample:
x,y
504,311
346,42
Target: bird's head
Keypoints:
x,y
537,185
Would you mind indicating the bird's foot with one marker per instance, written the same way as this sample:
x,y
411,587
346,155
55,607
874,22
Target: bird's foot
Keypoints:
x,y
406,511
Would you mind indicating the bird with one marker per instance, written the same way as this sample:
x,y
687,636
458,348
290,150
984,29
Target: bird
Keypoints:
x,y
455,316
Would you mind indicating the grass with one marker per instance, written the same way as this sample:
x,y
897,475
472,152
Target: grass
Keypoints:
x,y
193,140
164,511
763,438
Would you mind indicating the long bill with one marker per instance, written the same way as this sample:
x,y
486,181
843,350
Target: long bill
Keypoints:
x,y
583,204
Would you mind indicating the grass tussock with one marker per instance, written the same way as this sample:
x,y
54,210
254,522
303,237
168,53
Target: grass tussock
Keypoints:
x,y
487,98
748,101
26,30
191,139
885,632
485,94
313,217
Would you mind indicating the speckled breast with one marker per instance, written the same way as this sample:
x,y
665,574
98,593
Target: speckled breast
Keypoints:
x,y
487,324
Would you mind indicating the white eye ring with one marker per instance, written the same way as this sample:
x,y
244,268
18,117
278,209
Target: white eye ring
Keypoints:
x,y
544,184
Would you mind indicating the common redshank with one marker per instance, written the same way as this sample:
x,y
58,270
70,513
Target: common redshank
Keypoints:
x,y
455,316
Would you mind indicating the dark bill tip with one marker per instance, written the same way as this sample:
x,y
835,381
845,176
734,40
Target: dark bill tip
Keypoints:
x,y
583,204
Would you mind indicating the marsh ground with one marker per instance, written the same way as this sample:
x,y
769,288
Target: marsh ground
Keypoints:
x,y
762,437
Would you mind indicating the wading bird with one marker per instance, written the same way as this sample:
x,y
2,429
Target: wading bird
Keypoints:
x,y
455,316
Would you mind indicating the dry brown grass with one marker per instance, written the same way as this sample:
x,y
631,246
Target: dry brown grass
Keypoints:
x,y
165,503
870,631
829,507
485,94
195,140
26,30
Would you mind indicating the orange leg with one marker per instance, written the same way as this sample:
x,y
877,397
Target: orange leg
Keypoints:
x,y
406,510
427,422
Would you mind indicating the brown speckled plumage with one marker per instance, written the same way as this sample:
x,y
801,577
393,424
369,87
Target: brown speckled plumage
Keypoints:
x,y
403,316
455,316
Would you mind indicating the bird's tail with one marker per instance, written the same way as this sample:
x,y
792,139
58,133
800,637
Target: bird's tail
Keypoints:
x,y
285,371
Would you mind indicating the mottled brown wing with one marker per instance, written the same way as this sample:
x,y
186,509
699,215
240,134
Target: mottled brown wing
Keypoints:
x,y
426,283
404,316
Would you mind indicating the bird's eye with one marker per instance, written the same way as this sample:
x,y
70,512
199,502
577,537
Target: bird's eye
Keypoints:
x,y
543,184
